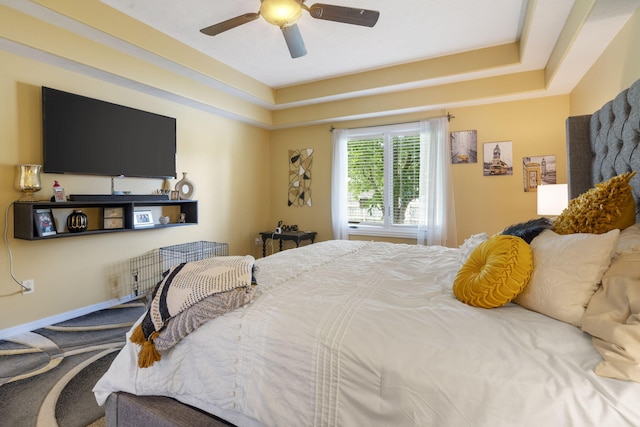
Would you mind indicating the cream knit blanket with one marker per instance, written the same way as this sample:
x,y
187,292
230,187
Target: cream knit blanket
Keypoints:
x,y
184,286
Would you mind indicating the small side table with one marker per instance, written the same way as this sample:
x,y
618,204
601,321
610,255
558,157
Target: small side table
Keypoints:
x,y
296,236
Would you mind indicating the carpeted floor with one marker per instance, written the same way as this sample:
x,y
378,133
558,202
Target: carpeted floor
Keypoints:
x,y
46,376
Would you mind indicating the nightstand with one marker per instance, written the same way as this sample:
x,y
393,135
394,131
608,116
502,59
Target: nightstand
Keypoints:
x,y
296,236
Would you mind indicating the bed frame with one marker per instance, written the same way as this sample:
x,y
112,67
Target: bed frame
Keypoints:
x,y
125,409
599,146
605,144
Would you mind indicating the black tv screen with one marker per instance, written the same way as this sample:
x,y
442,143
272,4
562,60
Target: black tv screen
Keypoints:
x,y
86,136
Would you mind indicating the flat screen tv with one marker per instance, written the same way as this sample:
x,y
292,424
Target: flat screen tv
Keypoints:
x,y
86,136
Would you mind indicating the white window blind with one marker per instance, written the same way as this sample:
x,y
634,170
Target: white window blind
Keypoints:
x,y
384,178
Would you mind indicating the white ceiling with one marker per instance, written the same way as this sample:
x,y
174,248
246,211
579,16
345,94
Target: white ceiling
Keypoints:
x,y
563,38
407,31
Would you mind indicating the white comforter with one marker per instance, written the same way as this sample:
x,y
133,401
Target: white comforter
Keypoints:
x,y
347,333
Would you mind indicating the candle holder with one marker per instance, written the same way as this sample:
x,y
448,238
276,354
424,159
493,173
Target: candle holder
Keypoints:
x,y
28,181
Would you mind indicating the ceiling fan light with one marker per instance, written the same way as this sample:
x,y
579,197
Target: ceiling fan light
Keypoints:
x,y
281,12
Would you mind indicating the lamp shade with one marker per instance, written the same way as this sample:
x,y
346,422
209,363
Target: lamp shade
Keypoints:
x,y
281,12
552,199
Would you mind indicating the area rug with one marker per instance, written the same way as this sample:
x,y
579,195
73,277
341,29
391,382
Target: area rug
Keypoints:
x,y
46,375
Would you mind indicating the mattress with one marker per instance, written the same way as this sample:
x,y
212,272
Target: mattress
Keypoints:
x,y
350,333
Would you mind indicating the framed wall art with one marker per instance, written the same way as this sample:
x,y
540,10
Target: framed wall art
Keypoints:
x,y
300,162
498,158
538,170
464,147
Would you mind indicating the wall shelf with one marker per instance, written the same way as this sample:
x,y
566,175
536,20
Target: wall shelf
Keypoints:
x,y
24,214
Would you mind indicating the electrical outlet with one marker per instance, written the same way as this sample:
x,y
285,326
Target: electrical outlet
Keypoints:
x,y
258,241
30,286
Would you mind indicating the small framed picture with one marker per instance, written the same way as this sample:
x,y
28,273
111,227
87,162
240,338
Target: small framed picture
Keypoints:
x,y
58,194
113,223
142,219
464,147
45,226
174,195
538,170
498,158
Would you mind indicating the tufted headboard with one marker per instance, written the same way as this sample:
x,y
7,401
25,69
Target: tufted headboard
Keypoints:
x,y
605,144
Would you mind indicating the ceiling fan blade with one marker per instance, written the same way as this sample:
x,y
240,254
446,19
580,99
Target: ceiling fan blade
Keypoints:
x,y
346,15
229,24
294,41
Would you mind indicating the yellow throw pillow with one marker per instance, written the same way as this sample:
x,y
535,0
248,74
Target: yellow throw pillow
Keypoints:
x,y
608,206
496,272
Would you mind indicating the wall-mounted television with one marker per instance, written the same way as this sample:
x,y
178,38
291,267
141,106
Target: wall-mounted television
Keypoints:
x,y
87,136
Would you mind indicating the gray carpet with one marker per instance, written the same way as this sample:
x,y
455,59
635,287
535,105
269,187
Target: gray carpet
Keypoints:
x,y
46,376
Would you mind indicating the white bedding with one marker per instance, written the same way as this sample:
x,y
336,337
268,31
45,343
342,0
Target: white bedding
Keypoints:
x,y
347,333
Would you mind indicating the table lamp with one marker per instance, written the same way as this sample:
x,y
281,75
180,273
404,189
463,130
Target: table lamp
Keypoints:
x,y
552,199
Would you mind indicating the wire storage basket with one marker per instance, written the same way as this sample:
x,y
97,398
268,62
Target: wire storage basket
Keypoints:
x,y
147,270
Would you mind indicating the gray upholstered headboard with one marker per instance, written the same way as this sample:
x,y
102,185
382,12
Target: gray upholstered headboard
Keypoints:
x,y
605,144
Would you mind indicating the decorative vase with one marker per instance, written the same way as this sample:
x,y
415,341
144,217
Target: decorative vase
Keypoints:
x,y
185,187
77,222
28,181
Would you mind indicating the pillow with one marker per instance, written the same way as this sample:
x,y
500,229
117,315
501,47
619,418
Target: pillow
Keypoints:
x,y
629,240
469,245
608,206
567,272
613,319
530,229
495,273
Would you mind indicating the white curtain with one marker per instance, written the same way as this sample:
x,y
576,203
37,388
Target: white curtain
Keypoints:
x,y
437,218
339,215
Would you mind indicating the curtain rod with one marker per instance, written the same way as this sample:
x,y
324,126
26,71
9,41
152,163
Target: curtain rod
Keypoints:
x,y
448,116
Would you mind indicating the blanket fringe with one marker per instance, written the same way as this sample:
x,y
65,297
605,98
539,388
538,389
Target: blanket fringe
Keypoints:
x,y
137,336
148,354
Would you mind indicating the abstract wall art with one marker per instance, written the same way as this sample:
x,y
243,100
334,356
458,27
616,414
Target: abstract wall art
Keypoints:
x,y
300,162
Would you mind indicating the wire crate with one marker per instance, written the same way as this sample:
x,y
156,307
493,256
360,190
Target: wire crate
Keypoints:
x,y
147,270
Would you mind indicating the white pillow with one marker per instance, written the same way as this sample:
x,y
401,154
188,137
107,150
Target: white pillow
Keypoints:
x,y
613,316
469,245
567,270
629,240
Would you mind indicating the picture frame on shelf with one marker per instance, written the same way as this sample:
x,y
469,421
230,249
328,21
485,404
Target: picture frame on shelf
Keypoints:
x,y
113,218
58,194
45,225
110,223
174,195
142,219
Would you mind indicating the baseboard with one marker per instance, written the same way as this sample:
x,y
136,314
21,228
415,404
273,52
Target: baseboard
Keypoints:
x,y
47,321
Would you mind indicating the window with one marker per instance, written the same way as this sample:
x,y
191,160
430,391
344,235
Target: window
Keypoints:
x,y
394,181
383,180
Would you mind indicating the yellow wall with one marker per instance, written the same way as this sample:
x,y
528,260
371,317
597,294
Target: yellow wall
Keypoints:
x,y
224,158
241,171
616,69
535,127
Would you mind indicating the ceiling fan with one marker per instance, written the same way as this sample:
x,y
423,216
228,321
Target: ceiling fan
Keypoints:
x,y
286,13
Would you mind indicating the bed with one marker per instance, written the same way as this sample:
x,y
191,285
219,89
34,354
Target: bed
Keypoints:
x,y
353,333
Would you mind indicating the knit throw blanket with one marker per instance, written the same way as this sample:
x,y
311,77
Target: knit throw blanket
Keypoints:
x,y
183,287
